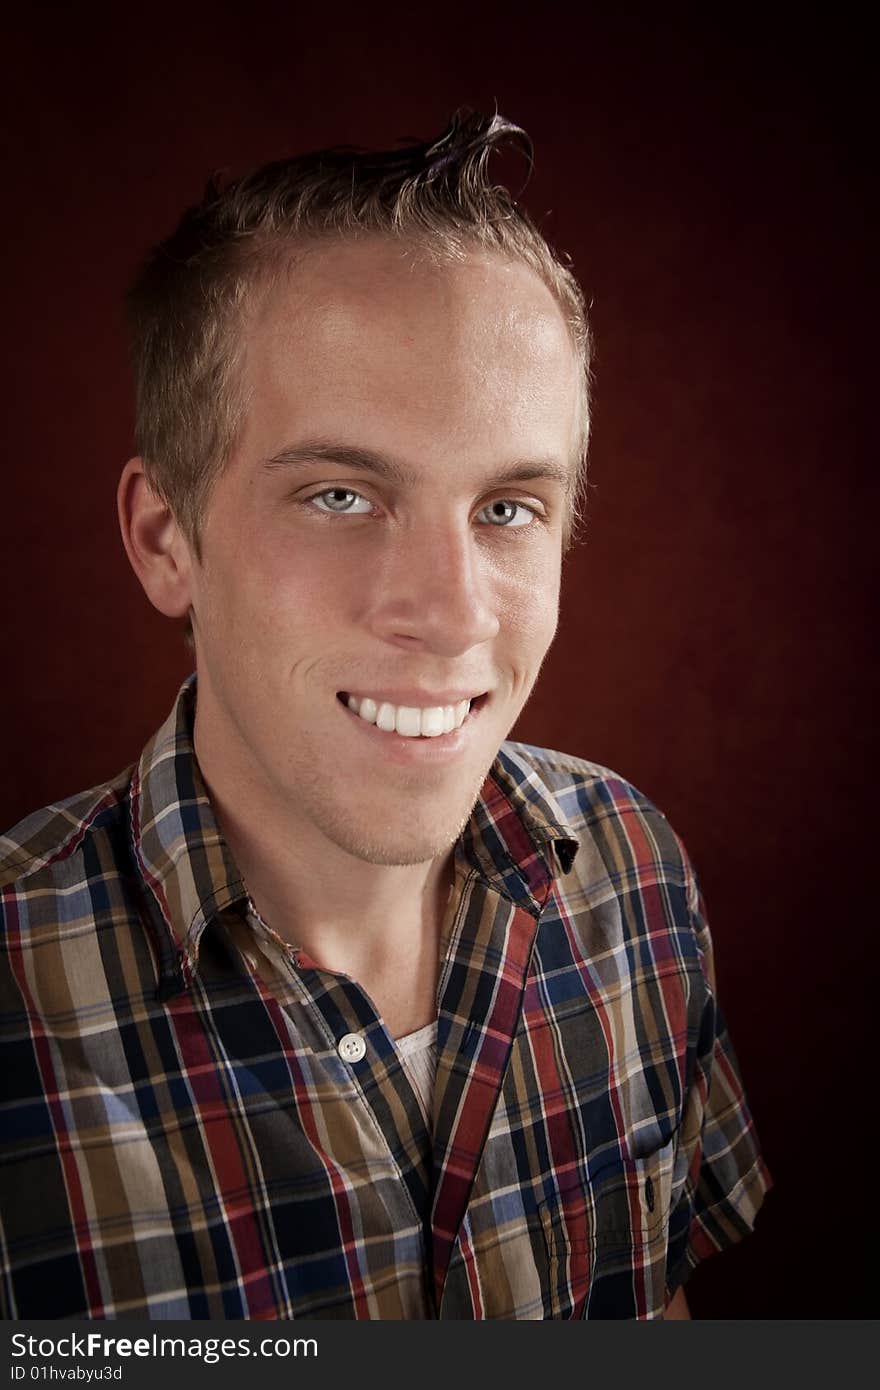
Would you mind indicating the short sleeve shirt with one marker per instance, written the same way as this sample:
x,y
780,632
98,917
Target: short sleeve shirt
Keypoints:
x,y
187,1134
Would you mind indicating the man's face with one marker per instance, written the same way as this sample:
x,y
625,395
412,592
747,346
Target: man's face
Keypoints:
x,y
369,539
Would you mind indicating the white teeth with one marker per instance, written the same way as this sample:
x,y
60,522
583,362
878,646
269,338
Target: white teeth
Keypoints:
x,y
432,722
385,718
408,720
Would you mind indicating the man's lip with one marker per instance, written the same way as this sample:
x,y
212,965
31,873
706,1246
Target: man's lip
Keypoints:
x,y
417,751
415,699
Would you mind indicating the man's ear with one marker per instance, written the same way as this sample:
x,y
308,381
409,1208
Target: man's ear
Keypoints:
x,y
154,543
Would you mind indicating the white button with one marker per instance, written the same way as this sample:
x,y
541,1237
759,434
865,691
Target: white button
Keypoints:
x,y
352,1047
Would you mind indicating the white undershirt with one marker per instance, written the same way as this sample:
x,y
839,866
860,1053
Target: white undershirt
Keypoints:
x,y
418,1053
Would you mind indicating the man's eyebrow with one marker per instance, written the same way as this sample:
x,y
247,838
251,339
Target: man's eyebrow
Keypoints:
x,y
346,455
311,451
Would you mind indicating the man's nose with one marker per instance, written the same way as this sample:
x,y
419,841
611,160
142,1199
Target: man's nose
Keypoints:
x,y
435,590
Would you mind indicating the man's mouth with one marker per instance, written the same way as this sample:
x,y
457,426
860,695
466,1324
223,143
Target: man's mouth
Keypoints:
x,y
412,721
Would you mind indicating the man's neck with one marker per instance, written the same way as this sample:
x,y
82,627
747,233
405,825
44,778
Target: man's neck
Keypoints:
x,y
378,923
341,911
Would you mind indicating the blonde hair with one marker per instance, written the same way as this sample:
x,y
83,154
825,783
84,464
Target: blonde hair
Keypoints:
x,y
186,309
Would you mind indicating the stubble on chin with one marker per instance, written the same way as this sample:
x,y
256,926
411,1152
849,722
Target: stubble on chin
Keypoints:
x,y
413,831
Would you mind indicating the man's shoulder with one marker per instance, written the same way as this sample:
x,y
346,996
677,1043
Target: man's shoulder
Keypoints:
x,y
49,843
583,790
597,806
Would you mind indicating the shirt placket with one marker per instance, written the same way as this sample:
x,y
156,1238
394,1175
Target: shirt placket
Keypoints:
x,y
332,1014
480,1007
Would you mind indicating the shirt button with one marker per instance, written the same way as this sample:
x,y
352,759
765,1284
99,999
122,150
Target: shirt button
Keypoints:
x,y
352,1047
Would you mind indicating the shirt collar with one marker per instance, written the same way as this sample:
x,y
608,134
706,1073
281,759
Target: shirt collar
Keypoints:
x,y
516,839
182,856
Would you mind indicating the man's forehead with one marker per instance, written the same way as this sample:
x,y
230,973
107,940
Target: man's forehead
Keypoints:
x,y
366,344
341,287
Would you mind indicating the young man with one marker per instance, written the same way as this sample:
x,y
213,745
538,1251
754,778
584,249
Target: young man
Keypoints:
x,y
337,1004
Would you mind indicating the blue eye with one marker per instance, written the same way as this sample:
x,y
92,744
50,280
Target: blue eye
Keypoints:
x,y
341,499
506,513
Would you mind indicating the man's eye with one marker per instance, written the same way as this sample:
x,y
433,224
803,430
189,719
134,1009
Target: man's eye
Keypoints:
x,y
341,499
506,513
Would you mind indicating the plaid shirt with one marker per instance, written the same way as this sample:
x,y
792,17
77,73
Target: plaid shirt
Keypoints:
x,y
183,1138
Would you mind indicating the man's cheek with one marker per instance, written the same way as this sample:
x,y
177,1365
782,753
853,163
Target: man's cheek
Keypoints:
x,y
540,617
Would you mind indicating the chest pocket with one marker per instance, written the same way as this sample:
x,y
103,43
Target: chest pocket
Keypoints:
x,y
606,1244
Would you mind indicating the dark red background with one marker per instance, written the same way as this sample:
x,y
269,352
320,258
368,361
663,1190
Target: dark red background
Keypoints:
x,y
707,177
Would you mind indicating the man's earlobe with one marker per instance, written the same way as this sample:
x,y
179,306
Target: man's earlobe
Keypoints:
x,y
155,545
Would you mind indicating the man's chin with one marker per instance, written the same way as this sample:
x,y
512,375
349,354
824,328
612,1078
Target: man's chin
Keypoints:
x,y
394,828
395,850
397,841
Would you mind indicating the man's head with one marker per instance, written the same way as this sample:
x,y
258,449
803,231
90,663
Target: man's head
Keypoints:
x,y
190,306
382,530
